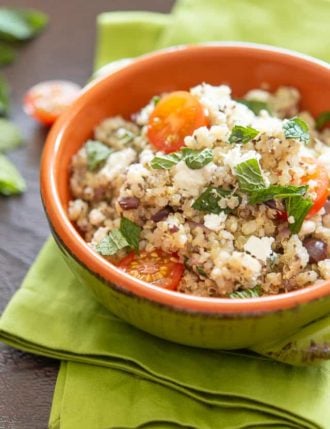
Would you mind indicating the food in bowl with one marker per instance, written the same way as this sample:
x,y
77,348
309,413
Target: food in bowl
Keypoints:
x,y
209,195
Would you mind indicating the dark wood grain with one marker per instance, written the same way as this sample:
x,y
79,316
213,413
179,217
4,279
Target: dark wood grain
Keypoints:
x,y
65,50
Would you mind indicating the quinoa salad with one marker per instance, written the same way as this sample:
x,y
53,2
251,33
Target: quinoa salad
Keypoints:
x,y
209,195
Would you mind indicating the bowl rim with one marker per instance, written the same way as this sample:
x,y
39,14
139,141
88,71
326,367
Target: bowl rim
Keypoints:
x,y
100,267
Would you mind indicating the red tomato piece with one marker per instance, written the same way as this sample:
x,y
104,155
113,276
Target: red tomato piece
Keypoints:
x,y
320,186
46,101
157,267
175,116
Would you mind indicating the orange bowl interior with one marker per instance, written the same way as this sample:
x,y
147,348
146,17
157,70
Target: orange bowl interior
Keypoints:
x,y
124,92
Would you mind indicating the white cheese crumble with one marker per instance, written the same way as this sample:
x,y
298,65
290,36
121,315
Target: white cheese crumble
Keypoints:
x,y
235,157
190,182
261,248
215,222
291,219
117,163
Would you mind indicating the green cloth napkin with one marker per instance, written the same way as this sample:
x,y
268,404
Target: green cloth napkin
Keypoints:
x,y
113,367
114,376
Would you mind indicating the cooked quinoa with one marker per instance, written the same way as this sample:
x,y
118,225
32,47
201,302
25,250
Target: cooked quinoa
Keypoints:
x,y
237,234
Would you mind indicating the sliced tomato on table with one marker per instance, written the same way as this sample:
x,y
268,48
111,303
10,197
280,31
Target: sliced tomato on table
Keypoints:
x,y
46,101
320,185
156,267
175,116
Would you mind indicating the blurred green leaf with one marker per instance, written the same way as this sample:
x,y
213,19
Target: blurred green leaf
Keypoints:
x,y
11,181
10,135
4,96
7,54
21,24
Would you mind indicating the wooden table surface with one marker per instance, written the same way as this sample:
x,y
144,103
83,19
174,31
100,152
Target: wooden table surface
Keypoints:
x,y
63,51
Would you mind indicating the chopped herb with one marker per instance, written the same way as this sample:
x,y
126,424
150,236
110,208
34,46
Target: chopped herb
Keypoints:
x,y
246,293
165,162
112,243
10,135
21,24
276,192
201,272
249,176
297,207
208,201
125,136
196,159
322,119
255,105
155,100
131,231
7,54
97,154
242,135
11,181
4,96
296,128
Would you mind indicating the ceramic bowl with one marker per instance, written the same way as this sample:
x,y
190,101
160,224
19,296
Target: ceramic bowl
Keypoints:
x,y
203,322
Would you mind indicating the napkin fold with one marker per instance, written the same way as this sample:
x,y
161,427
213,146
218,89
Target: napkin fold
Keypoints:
x,y
115,376
115,367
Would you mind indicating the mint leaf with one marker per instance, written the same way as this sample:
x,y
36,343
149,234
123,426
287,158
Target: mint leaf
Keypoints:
x,y
131,232
275,192
7,54
21,24
4,96
112,243
155,100
296,128
246,293
297,207
165,162
255,105
322,119
97,154
10,135
208,201
249,176
196,159
242,135
11,182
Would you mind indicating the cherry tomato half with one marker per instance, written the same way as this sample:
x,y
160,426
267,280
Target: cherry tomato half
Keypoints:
x,y
176,116
321,188
47,100
157,267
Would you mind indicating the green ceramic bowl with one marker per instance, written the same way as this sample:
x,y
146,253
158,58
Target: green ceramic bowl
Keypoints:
x,y
203,322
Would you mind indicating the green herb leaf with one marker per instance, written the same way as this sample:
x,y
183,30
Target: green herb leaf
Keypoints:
x,y
255,105
201,272
322,119
125,136
155,100
297,207
21,24
131,231
208,201
296,128
246,293
165,162
10,135
11,181
242,135
97,154
196,159
4,96
249,176
112,243
7,54
276,192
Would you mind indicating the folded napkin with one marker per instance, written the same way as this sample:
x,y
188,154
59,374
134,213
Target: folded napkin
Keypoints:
x,y
113,367
115,376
